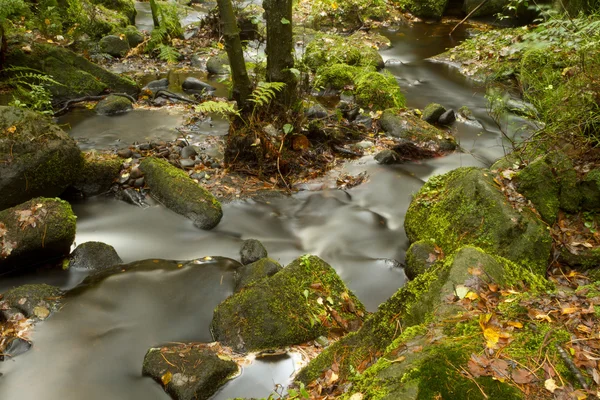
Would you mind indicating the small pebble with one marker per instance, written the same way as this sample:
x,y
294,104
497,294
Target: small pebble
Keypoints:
x,y
144,146
187,163
125,153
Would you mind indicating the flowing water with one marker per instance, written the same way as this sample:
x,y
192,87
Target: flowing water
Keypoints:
x,y
93,348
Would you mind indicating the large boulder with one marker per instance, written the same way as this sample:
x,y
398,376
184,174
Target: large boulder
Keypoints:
x,y
77,76
465,206
218,64
188,371
113,105
303,301
35,232
114,45
405,125
98,173
37,158
178,192
423,299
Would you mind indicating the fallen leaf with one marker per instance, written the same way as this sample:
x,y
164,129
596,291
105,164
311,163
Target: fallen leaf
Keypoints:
x,y
166,378
41,312
522,376
515,324
550,385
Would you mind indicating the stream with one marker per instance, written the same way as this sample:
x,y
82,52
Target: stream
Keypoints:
x,y
93,348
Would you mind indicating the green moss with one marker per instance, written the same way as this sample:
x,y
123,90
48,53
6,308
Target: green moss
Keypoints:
x,y
590,190
378,91
425,8
332,49
335,76
346,14
464,207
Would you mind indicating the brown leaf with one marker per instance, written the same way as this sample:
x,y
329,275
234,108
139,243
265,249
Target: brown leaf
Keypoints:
x,y
522,376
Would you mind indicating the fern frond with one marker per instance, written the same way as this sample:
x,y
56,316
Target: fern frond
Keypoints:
x,y
28,76
265,92
217,107
168,53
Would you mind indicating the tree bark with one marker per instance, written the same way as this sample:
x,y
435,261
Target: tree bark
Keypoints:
x,y
242,87
280,46
3,45
154,9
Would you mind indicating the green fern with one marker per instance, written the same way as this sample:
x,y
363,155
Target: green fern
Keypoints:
x,y
265,92
168,53
218,107
31,89
24,76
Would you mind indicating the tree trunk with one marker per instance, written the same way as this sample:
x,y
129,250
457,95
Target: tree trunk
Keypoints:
x,y
280,46
3,45
242,87
154,9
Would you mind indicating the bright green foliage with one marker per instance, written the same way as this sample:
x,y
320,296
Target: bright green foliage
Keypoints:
x,y
332,49
335,76
217,107
265,92
30,90
378,91
168,53
169,26
346,14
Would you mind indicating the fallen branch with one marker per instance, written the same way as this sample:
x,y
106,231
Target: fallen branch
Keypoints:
x,y
171,95
69,103
468,16
571,365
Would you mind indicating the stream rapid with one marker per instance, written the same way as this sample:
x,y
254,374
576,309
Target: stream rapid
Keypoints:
x,y
93,348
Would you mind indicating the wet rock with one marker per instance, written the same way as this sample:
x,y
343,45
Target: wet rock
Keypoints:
x,y
433,112
254,272
35,301
113,105
590,191
139,183
420,257
34,232
196,61
78,77
316,111
195,85
187,163
155,86
14,347
188,151
97,175
405,125
132,196
282,310
465,206
408,151
218,64
387,157
363,119
188,371
94,256
37,158
447,118
134,36
125,153
135,173
365,144
113,45
521,108
173,188
252,250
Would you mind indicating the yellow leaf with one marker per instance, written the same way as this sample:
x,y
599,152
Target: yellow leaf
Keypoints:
x,y
484,319
47,21
50,41
166,378
515,324
568,310
476,271
461,291
11,129
491,336
220,45
472,296
334,5
544,317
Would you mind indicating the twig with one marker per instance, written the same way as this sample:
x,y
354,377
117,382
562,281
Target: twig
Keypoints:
x,y
571,365
279,170
468,16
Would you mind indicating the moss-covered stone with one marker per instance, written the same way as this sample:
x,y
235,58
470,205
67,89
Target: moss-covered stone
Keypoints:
x,y
35,301
98,173
405,125
188,371
590,191
113,105
178,192
218,64
124,7
335,76
420,257
252,250
425,8
299,303
490,8
347,14
537,183
114,45
433,112
254,272
78,77
378,91
464,207
332,49
37,158
93,256
133,35
35,232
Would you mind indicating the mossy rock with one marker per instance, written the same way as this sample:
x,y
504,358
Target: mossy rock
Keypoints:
x,y
123,7
98,173
285,309
188,371
332,49
590,191
432,112
433,9
378,91
347,15
252,250
218,64
134,36
113,105
35,232
420,257
78,77
254,272
464,207
37,158
405,125
178,192
114,45
335,76
93,256
420,300
36,301
490,8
